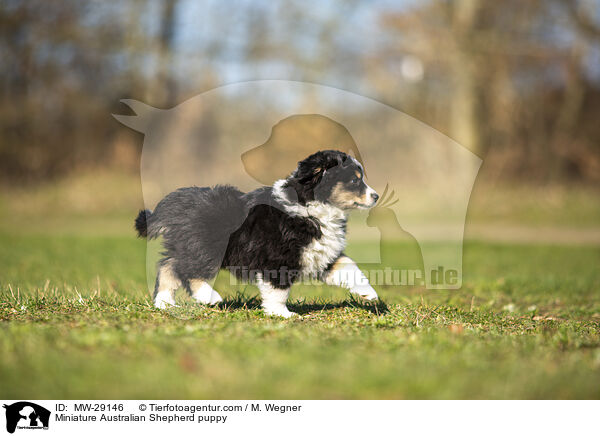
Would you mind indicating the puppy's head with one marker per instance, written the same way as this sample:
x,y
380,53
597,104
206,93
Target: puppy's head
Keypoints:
x,y
332,177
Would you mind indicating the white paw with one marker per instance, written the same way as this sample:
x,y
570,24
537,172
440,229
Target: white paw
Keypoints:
x,y
278,311
163,304
215,298
205,294
367,292
211,297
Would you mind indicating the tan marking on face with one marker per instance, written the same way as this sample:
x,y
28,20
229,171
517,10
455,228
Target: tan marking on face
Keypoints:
x,y
358,174
343,198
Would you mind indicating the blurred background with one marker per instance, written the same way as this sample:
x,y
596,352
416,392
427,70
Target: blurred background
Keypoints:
x,y
517,82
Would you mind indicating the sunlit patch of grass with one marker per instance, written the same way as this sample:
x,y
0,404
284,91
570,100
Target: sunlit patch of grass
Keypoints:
x,y
526,324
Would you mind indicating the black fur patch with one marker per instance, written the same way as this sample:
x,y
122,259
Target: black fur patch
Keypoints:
x,y
141,224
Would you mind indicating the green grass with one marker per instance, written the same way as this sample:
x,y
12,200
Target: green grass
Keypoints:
x,y
76,322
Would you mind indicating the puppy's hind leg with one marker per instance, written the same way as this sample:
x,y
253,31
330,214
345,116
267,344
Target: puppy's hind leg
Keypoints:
x,y
167,283
202,292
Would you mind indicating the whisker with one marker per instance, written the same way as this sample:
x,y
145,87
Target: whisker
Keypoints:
x,y
384,193
388,199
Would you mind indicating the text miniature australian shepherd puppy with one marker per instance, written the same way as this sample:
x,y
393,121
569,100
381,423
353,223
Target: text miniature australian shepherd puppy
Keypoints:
x,y
272,236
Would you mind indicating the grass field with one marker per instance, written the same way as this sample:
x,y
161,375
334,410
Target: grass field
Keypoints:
x,y
76,319
76,322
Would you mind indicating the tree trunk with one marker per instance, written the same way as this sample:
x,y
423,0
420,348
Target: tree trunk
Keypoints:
x,y
464,122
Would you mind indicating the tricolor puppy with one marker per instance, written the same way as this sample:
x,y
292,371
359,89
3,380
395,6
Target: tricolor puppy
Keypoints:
x,y
272,236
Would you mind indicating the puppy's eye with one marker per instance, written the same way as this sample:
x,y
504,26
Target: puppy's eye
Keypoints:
x,y
355,180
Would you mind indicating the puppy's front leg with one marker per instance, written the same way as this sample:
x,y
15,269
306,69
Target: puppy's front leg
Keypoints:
x,y
273,299
346,274
203,292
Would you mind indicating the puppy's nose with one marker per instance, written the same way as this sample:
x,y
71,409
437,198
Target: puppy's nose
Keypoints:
x,y
375,197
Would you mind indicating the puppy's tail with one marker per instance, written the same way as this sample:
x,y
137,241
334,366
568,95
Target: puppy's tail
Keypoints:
x,y
141,223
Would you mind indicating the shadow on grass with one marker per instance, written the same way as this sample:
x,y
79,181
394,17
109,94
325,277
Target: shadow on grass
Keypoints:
x,y
241,301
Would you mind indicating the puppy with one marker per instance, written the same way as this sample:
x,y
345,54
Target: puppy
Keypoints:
x,y
272,236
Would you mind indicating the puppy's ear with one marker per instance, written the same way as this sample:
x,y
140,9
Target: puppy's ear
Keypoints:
x,y
311,167
317,175
347,161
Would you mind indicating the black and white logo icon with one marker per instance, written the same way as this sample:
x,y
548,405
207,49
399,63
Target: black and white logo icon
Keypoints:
x,y
26,415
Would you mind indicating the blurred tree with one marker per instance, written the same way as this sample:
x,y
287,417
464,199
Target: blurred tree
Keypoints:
x,y
163,90
515,81
511,80
464,116
53,94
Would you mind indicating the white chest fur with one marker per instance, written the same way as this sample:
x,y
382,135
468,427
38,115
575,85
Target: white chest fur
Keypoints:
x,y
321,252
332,220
